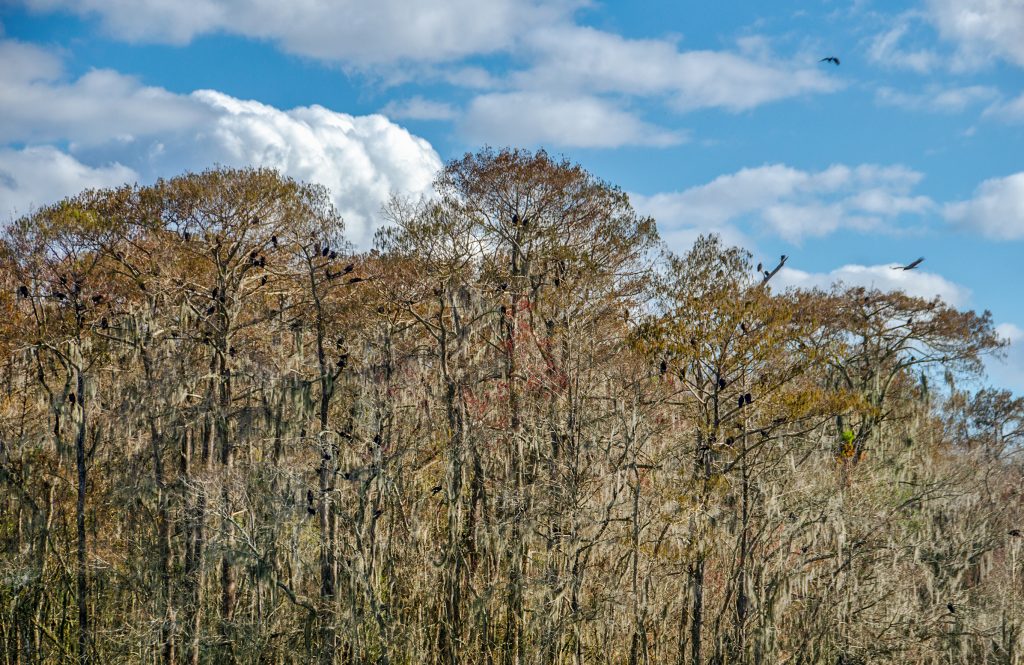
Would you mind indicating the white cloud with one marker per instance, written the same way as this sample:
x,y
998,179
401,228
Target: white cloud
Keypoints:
x,y
32,177
38,105
793,204
418,108
982,29
533,118
883,277
360,32
153,132
886,50
1011,110
1009,371
936,99
573,57
996,209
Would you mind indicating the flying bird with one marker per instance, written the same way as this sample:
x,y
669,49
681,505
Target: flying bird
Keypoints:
x,y
910,266
834,60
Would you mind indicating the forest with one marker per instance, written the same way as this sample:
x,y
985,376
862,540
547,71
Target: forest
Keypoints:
x,y
517,430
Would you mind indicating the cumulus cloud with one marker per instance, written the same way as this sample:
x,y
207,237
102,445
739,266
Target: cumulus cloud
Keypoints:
x,y
32,177
151,132
360,32
913,282
601,62
789,202
533,118
996,209
936,99
982,29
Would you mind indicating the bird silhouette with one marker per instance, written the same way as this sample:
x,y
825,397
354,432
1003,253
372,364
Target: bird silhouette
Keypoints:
x,y
435,489
23,291
273,240
834,60
1014,532
347,269
104,324
747,398
664,366
739,401
951,608
911,265
309,502
355,280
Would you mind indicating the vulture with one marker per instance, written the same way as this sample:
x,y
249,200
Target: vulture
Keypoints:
x,y
347,269
834,60
355,280
309,502
23,291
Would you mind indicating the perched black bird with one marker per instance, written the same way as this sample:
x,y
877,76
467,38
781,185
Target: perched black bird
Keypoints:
x,y
187,236
309,502
355,280
721,384
326,251
104,324
743,326
834,60
273,240
72,398
232,352
664,366
347,269
343,361
253,255
23,291
333,255
951,608
729,440
760,267
739,401
263,280
1014,532
435,489
330,275
747,398
59,295
909,266
97,299
515,219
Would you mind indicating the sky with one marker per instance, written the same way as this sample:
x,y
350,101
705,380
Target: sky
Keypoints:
x,y
713,117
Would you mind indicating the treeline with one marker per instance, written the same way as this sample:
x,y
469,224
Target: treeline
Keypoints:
x,y
516,431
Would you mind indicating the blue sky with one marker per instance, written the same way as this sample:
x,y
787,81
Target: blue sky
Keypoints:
x,y
713,117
